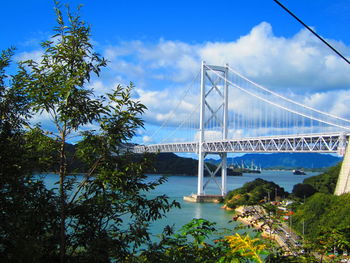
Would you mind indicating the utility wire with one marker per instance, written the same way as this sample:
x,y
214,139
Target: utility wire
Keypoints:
x,y
312,31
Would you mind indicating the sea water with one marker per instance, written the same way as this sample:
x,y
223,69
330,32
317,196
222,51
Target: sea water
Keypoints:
x,y
176,187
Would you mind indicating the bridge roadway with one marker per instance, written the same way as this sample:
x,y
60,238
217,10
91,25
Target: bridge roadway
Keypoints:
x,y
321,143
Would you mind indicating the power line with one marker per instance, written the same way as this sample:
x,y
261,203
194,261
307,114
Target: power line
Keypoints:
x,y
312,31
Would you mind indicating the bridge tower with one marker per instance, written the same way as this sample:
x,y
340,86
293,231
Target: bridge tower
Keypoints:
x,y
213,108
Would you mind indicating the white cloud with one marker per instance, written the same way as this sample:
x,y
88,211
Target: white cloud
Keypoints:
x,y
334,102
300,67
147,139
35,55
300,64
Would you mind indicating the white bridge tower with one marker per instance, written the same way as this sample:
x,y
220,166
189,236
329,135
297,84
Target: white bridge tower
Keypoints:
x,y
213,109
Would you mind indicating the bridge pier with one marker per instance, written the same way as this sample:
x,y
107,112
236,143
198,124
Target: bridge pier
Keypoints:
x,y
343,183
200,188
224,174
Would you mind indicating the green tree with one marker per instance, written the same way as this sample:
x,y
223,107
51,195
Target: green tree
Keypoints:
x,y
56,85
303,190
325,182
28,210
105,216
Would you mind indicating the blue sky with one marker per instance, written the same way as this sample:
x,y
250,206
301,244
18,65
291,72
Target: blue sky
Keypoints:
x,y
159,45
188,21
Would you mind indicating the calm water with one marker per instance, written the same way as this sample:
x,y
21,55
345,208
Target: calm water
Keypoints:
x,y
178,186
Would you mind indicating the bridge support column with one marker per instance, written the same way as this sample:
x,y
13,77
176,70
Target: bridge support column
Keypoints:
x,y
343,183
224,134
224,174
201,153
200,188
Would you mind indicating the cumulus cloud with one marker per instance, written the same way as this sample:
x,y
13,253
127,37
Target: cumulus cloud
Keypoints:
x,y
335,102
300,61
300,67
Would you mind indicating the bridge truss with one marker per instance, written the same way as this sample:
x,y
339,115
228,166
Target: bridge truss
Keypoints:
x,y
318,143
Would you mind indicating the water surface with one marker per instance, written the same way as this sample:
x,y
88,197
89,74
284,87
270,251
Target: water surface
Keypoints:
x,y
178,186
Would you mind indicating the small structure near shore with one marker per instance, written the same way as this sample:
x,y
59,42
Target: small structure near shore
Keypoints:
x,y
194,198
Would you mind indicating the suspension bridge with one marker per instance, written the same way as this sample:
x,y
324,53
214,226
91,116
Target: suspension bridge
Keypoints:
x,y
237,115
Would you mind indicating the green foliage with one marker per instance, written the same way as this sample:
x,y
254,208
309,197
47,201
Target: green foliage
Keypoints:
x,y
325,182
106,216
169,163
334,239
199,229
303,190
28,228
322,212
56,85
189,246
324,216
254,192
44,150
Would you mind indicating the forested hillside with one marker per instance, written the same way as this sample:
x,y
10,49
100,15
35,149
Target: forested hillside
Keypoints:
x,y
325,182
254,192
324,212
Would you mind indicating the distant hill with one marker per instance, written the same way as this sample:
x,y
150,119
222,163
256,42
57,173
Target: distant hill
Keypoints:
x,y
171,164
285,160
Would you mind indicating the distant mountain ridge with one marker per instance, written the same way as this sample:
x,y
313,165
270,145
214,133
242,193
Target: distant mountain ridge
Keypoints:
x,y
170,163
284,160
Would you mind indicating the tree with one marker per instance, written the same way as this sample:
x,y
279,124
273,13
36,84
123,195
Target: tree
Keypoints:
x,y
92,212
56,85
303,190
27,231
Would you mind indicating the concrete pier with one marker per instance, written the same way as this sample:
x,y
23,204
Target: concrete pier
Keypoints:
x,y
203,198
343,184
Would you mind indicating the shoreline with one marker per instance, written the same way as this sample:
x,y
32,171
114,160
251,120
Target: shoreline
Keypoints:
x,y
249,220
252,221
255,223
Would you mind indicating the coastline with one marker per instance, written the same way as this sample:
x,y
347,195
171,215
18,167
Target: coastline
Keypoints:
x,y
257,224
248,220
252,221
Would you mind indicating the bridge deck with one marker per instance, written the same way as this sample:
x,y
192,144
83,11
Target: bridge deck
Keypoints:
x,y
321,143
